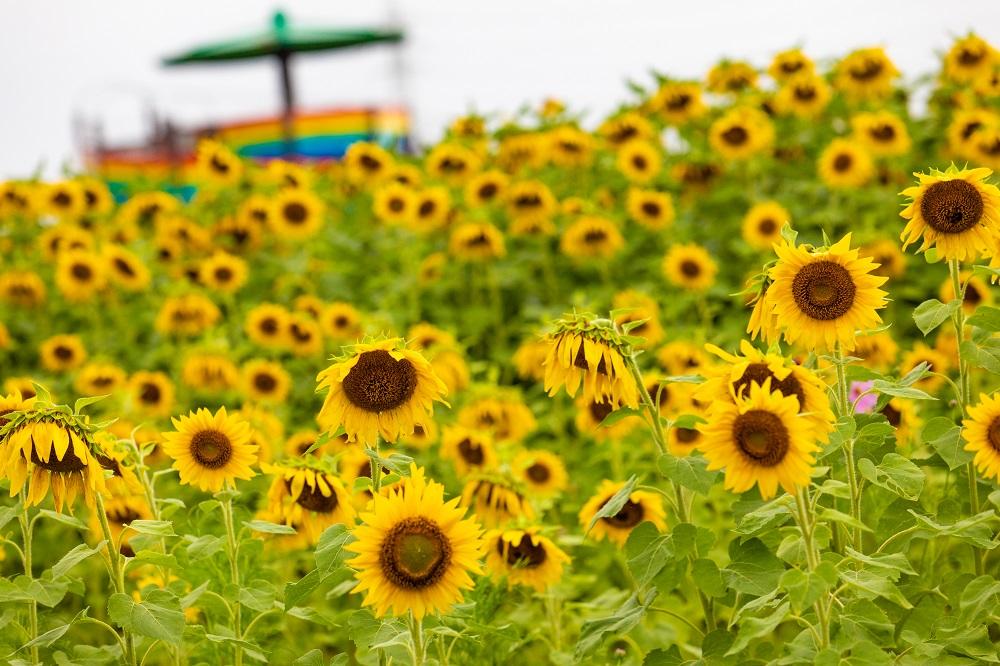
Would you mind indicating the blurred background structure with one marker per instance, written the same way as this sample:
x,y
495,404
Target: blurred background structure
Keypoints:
x,y
78,75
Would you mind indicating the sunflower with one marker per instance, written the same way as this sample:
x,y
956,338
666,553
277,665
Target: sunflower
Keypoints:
x,y
223,272
451,368
414,550
152,393
878,350
524,557
254,212
477,241
431,209
210,450
99,379
641,506
788,64
15,401
676,103
968,58
64,237
530,201
425,335
882,133
503,414
16,199
542,472
581,352
217,164
496,500
146,208
639,161
984,147
981,432
885,252
22,288
649,208
591,413
394,203
975,292
936,361
65,200
731,77
696,176
265,381
124,268
406,174
690,267
423,437
296,214
762,224
79,275
452,163
367,163
303,335
844,164
954,211
570,147
469,127
62,353
341,322
986,84
741,133
759,439
965,125
644,313
682,358
591,238
209,373
486,188
470,450
624,127
529,359
682,441
267,325
732,382
902,416
803,96
299,442
820,298
187,315
309,304
303,494
866,74
379,389
48,448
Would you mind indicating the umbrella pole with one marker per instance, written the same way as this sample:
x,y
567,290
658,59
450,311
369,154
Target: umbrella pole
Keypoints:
x,y
288,102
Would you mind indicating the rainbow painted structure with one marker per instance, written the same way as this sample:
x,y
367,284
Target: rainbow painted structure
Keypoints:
x,y
166,160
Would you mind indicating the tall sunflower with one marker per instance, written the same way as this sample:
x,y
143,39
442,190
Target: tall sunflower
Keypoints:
x,y
524,557
639,161
415,551
296,214
955,211
379,389
759,439
210,450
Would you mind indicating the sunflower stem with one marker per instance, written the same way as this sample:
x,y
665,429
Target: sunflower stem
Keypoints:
x,y
417,635
376,469
26,535
234,571
844,404
807,525
117,572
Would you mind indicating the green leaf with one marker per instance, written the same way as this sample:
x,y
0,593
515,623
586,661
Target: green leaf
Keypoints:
x,y
756,627
900,391
892,565
708,577
150,617
300,590
205,546
932,313
267,527
826,513
311,658
330,548
804,588
944,437
985,317
895,473
648,551
7,514
613,505
769,516
74,557
973,530
153,557
621,621
43,590
82,403
985,355
64,519
689,471
619,414
52,635
873,584
754,569
160,528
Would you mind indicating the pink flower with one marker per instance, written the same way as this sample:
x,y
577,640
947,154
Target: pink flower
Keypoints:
x,y
867,404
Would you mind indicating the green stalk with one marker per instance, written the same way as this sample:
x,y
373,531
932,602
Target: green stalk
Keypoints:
x,y
26,537
117,572
807,525
376,469
234,571
417,635
844,405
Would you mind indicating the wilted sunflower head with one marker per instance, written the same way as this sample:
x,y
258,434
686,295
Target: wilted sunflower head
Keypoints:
x,y
306,495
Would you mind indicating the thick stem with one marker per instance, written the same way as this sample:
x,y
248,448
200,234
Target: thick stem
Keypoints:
x,y
417,635
26,535
234,572
844,403
117,571
376,469
807,525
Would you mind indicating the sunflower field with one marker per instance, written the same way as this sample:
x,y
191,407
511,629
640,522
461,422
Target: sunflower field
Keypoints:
x,y
713,380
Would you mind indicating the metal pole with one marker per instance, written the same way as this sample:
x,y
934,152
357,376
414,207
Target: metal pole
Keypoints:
x,y
288,102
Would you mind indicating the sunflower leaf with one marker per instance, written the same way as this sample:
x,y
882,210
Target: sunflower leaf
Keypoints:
x,y
159,616
756,627
623,620
986,317
74,557
896,474
932,313
267,527
619,414
161,528
689,471
613,505
944,437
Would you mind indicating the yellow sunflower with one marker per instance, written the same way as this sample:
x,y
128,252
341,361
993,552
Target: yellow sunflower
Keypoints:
x,y
341,322
762,224
984,147
820,298
882,133
394,203
583,356
624,127
788,64
524,557
677,103
477,241
120,512
844,164
759,439
530,201
641,506
965,125
65,200
80,274
502,413
496,500
22,288
452,163
968,58
303,335
450,367
542,472
265,381
639,161
367,163
152,393
267,325
981,432
62,353
217,164
187,315
209,373
432,209
591,413
379,389
954,211
731,76
591,238
211,450
415,551
886,253
470,450
936,361
741,133
690,267
878,350
125,268
302,494
866,74
803,96
902,415
975,292
296,214
529,359
486,188
570,147
649,208
423,437
99,379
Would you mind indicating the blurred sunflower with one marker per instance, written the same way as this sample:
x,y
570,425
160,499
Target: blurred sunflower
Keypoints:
x,y
99,379
682,441
477,241
394,203
265,381
367,163
524,557
65,200
63,238
639,161
542,472
741,133
844,164
650,208
288,174
804,95
981,431
975,292
469,449
218,165
591,413
762,224
902,416
731,76
486,188
306,496
624,127
152,393
341,322
187,315
866,74
529,359
22,288
641,506
788,64
450,367
496,500
255,212
502,413
530,200
690,267
676,103
303,335
124,268
886,253
452,163
209,373
432,209
936,361
210,450
80,274
968,58
62,353
267,325
296,214
570,147
423,437
223,272
882,133
591,237
877,350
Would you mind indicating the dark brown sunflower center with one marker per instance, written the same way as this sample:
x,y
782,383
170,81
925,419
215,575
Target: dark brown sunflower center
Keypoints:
x,y
69,464
211,448
149,393
471,452
823,290
679,102
651,208
600,410
396,204
479,240
224,274
62,199
761,437
969,58
123,515
639,162
82,272
265,382
124,267
625,132
691,269
488,191
219,165
63,353
972,295
759,373
767,226
842,162
869,70
581,362
369,163
952,206
524,554
415,553
993,434
595,237
892,415
268,326
805,92
884,133
686,435
538,473
736,135
627,517
791,66
295,212
378,382
313,499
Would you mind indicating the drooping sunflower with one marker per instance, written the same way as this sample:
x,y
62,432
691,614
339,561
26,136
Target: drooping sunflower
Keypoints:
x,y
690,266
640,506
267,325
591,413
584,352
639,161
981,432
496,500
99,379
866,74
415,551
759,439
591,237
152,393
762,224
844,164
822,298
394,203
542,472
217,164
379,389
524,557
955,211
80,274
788,64
975,292
677,103
265,381
803,96
296,214
341,322
62,353
650,208
882,133
223,272
125,268
477,241
210,450
303,494
968,58
486,188
470,450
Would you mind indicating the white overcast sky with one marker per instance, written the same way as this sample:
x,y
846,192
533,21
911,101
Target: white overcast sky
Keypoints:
x,y
99,59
